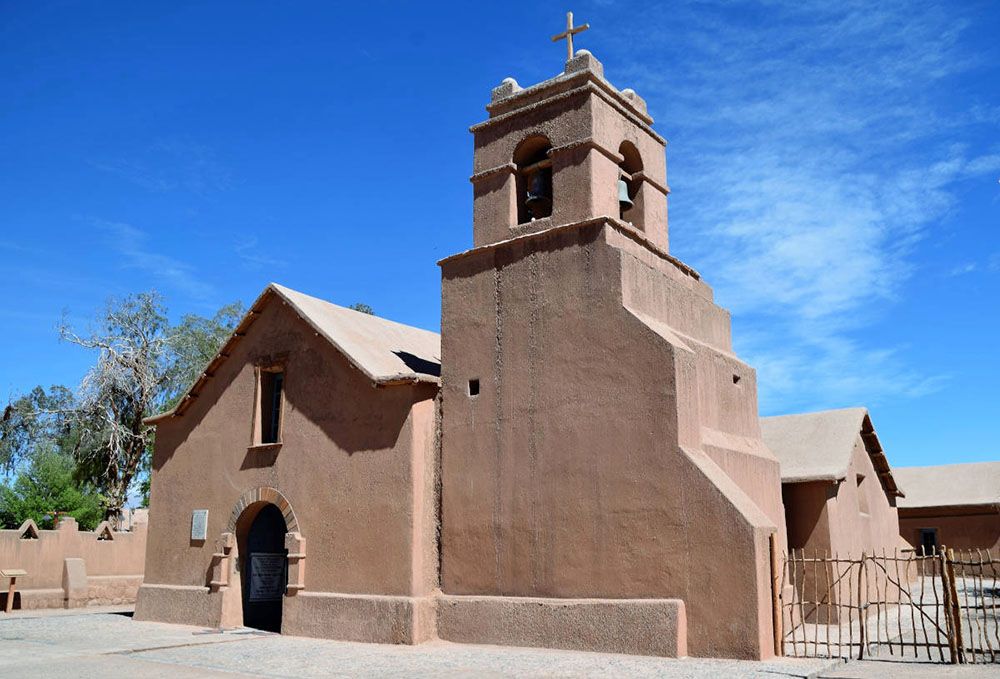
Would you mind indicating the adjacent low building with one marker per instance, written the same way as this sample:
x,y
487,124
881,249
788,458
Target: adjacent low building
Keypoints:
x,y
953,505
839,493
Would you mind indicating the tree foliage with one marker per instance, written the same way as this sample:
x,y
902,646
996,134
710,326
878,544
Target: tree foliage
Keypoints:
x,y
194,342
143,366
363,308
45,490
40,418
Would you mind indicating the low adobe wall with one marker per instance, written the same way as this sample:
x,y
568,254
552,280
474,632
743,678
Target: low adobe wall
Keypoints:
x,y
633,626
70,568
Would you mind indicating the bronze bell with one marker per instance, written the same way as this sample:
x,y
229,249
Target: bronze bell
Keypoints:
x,y
624,202
539,200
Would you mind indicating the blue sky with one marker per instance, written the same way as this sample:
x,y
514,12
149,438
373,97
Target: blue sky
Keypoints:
x,y
835,170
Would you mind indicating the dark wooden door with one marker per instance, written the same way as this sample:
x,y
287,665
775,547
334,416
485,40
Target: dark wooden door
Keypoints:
x,y
265,571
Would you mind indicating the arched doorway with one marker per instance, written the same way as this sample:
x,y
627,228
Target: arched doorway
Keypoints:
x,y
264,568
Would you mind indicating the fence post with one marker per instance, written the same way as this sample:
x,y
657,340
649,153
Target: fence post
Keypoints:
x,y
862,609
949,612
776,584
956,613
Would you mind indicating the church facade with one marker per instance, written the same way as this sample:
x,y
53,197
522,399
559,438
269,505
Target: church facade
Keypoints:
x,y
576,462
293,487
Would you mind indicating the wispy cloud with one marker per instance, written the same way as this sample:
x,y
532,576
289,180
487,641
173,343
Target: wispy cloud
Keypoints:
x,y
963,269
132,245
171,165
808,161
254,258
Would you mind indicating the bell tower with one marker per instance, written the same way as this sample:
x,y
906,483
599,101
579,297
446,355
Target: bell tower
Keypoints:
x,y
599,438
570,149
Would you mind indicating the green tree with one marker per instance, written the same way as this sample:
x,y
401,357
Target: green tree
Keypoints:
x,y
143,366
40,418
45,489
194,342
363,308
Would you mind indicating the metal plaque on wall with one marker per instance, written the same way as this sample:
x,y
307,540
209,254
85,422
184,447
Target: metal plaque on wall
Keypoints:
x,y
267,576
199,524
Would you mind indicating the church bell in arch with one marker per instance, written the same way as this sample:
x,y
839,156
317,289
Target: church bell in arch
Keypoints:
x,y
539,198
624,202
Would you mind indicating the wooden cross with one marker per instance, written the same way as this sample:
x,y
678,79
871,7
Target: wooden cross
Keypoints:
x,y
569,33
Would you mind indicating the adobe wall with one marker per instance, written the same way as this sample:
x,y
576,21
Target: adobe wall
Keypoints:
x,y
807,515
356,466
575,475
854,530
972,527
826,517
107,571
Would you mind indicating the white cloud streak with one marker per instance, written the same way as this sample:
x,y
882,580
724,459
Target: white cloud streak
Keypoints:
x,y
809,158
172,165
131,245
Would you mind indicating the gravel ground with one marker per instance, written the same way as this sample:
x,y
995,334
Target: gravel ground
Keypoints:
x,y
108,645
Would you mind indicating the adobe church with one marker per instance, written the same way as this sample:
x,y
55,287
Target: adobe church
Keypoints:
x,y
576,462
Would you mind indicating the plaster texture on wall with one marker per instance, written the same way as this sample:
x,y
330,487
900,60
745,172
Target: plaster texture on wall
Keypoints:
x,y
104,572
355,463
580,469
843,517
641,626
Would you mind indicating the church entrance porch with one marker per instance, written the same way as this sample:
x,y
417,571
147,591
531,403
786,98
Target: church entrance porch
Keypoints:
x,y
263,565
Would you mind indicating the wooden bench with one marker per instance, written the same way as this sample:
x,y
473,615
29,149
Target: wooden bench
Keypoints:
x,y
13,574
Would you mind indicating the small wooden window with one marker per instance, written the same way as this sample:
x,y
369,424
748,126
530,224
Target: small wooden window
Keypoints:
x,y
270,398
928,540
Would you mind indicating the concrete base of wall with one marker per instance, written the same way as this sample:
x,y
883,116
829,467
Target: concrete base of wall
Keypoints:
x,y
635,626
655,627
327,615
359,617
106,590
29,599
179,604
112,590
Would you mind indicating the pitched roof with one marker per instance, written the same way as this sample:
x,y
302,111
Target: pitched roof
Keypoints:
x,y
951,485
818,446
388,353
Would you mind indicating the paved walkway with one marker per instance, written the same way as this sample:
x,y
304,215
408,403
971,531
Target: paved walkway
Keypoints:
x,y
110,645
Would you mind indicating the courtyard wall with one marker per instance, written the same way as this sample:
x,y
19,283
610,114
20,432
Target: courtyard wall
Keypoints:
x,y
70,568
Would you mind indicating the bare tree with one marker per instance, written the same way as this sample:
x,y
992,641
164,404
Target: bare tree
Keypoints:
x,y
125,385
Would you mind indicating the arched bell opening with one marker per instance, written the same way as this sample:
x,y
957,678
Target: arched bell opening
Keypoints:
x,y
630,186
263,564
533,179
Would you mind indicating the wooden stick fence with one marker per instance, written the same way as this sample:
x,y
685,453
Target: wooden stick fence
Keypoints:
x,y
904,604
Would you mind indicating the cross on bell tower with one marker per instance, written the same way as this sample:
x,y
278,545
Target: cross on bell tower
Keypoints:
x,y
569,33
569,149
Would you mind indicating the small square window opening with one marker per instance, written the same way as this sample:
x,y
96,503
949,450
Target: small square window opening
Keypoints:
x,y
473,387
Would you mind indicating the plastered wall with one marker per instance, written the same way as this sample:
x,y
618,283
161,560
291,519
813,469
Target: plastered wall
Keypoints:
x,y
112,569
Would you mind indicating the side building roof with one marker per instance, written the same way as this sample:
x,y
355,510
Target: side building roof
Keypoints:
x,y
951,485
818,446
388,353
